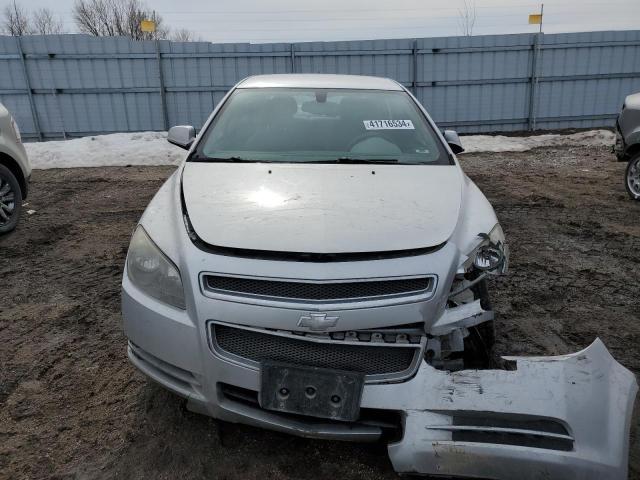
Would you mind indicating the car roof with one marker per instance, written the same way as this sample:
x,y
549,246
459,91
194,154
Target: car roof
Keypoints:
x,y
318,80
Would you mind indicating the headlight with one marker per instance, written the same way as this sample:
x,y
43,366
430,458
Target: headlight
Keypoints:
x,y
492,253
16,130
152,272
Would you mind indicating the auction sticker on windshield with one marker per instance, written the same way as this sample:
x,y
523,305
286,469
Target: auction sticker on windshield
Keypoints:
x,y
388,124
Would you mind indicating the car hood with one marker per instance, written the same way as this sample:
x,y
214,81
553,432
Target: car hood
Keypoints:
x,y
322,208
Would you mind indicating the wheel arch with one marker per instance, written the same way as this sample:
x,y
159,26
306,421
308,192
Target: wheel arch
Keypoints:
x,y
632,150
13,166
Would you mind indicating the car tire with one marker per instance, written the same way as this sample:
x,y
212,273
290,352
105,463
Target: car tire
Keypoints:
x,y
10,200
632,177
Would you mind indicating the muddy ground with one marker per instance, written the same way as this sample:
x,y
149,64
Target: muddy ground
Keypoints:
x,y
71,406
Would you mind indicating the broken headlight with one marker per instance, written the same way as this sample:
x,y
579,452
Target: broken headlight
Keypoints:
x,y
491,255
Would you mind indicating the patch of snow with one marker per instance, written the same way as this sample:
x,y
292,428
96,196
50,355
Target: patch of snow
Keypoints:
x,y
152,148
500,143
116,149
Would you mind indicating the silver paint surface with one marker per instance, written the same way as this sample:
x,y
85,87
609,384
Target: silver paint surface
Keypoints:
x,y
322,208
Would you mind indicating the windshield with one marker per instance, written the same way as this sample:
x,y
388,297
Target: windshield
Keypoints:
x,y
328,125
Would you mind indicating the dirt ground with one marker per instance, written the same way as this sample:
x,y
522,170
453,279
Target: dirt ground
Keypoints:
x,y
71,406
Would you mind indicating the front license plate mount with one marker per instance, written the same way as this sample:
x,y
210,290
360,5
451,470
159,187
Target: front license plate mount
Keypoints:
x,y
312,391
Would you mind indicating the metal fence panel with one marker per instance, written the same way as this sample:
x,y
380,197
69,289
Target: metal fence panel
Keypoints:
x,y
382,58
478,84
59,86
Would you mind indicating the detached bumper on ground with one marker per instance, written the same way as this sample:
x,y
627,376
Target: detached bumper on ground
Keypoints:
x,y
564,417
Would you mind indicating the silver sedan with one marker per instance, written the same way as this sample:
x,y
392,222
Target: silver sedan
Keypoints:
x,y
318,265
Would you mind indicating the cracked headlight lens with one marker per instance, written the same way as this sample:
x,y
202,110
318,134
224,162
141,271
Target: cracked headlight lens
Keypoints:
x,y
491,254
152,272
488,258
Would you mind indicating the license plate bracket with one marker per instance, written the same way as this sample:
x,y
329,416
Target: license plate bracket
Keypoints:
x,y
313,391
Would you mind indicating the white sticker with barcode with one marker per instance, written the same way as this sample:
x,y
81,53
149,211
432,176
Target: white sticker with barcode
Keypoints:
x,y
388,124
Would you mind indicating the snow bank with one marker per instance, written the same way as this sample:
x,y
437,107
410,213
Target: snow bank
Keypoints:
x,y
500,143
152,148
116,149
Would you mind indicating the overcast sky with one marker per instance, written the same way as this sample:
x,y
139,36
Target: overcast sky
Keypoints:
x,y
294,20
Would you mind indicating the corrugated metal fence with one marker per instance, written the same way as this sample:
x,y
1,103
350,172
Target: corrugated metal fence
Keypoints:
x,y
74,85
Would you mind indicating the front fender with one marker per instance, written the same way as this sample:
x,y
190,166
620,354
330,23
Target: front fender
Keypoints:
x,y
476,216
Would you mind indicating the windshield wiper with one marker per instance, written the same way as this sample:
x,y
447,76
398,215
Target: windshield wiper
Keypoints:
x,y
367,160
234,159
351,160
347,160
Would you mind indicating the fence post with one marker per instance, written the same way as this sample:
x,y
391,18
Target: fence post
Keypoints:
x,y
414,68
163,97
533,82
293,58
34,112
57,98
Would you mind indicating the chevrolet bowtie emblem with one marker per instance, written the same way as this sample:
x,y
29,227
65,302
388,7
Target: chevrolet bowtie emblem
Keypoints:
x,y
317,321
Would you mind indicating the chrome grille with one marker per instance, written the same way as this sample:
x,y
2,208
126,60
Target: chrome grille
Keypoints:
x,y
317,291
257,346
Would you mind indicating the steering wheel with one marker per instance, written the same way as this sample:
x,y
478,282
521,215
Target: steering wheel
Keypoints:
x,y
371,134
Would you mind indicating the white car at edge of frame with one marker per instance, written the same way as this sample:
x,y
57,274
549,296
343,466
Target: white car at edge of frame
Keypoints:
x,y
15,171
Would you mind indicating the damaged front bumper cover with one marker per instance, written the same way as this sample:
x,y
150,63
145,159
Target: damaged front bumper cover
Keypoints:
x,y
564,417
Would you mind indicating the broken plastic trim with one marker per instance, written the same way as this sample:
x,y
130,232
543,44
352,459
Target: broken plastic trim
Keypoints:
x,y
463,316
467,285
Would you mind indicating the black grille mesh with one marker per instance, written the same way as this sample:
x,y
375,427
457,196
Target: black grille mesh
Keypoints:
x,y
258,346
316,291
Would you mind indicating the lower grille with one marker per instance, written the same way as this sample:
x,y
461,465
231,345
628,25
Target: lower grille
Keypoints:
x,y
257,346
179,380
317,291
498,429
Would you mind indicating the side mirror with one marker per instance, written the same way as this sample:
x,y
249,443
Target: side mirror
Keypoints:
x,y
182,136
453,140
